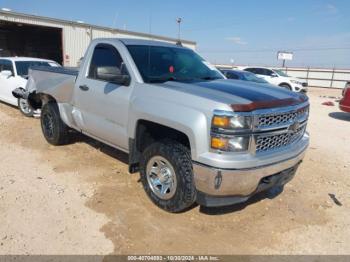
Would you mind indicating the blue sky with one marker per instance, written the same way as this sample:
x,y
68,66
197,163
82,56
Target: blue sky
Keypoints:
x,y
250,32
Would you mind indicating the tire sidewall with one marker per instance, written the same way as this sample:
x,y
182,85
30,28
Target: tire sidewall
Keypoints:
x,y
52,110
185,192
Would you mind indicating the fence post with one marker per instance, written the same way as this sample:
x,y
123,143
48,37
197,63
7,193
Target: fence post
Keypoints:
x,y
307,74
332,78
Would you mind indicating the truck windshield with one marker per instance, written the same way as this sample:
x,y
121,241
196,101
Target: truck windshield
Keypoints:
x,y
158,64
23,66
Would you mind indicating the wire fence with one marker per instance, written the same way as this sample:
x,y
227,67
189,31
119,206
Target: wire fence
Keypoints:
x,y
316,77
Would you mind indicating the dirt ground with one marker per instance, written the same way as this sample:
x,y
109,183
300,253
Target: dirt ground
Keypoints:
x,y
80,199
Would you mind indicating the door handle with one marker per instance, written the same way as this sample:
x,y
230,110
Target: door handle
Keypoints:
x,y
84,87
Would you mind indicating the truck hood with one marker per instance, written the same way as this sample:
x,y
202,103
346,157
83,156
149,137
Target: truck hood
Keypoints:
x,y
242,96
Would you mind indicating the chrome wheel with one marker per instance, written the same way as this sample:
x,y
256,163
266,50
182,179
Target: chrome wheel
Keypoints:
x,y
161,177
24,106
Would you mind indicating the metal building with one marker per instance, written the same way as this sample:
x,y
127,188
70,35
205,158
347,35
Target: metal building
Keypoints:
x,y
60,40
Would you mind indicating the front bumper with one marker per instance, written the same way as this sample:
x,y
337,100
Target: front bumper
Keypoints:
x,y
238,184
275,181
300,88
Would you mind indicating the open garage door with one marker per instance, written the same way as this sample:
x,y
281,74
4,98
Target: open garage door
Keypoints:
x,y
17,39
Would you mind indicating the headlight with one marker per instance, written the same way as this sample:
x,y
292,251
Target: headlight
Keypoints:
x,y
227,129
234,122
232,144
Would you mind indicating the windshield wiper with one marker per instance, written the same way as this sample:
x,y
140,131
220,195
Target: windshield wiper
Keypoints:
x,y
169,78
162,80
210,78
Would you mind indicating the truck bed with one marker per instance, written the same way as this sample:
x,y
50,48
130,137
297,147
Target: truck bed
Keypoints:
x,y
59,70
55,81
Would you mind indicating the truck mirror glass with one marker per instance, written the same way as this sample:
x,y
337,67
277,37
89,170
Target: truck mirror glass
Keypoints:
x,y
112,74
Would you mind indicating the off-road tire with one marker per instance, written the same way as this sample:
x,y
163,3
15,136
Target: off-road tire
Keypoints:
x,y
179,157
29,112
52,126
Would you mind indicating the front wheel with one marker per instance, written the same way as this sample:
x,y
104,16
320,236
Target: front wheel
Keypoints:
x,y
25,108
53,128
167,176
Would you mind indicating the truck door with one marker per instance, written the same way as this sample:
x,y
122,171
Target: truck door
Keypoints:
x,y
100,104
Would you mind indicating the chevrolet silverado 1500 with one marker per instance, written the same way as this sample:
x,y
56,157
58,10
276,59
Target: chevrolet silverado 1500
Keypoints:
x,y
194,135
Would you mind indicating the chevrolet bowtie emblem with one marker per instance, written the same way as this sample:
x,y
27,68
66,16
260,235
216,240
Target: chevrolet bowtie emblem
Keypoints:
x,y
294,127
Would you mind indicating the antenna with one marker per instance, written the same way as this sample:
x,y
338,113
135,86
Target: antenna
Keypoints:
x,y
178,21
115,20
150,24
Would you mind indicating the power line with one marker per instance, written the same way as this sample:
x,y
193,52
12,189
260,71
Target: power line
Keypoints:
x,y
274,50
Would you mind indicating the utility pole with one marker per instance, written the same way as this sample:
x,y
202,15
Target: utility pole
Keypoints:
x,y
178,21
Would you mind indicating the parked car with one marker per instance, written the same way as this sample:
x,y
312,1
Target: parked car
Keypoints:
x,y
344,103
279,78
13,74
242,75
193,135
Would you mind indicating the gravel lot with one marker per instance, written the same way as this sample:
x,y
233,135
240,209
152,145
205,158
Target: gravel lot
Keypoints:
x,y
80,199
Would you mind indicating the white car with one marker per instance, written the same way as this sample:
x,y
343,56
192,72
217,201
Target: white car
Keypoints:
x,y
279,78
13,74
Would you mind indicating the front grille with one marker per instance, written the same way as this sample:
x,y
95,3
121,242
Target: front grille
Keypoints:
x,y
305,84
270,142
275,119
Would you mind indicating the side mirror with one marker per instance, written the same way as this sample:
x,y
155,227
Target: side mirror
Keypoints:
x,y
274,75
113,75
6,73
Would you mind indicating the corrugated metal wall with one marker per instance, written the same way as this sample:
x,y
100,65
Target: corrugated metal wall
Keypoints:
x,y
76,37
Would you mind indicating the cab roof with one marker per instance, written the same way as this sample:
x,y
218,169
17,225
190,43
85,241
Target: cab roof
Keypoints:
x,y
135,41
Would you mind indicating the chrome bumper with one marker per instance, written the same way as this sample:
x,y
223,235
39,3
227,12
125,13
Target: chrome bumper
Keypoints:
x,y
237,182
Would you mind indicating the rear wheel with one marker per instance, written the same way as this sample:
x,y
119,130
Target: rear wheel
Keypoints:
x,y
53,128
25,108
167,176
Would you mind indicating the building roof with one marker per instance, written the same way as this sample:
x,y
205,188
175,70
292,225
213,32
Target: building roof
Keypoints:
x,y
21,58
76,23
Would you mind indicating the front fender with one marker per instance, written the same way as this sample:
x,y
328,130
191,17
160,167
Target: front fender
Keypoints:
x,y
191,122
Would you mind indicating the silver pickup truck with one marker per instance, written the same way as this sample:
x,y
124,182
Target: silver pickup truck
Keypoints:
x,y
193,135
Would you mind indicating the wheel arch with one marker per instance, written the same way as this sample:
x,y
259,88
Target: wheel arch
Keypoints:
x,y
285,84
148,132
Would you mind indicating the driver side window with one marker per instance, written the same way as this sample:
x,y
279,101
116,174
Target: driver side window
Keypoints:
x,y
106,64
